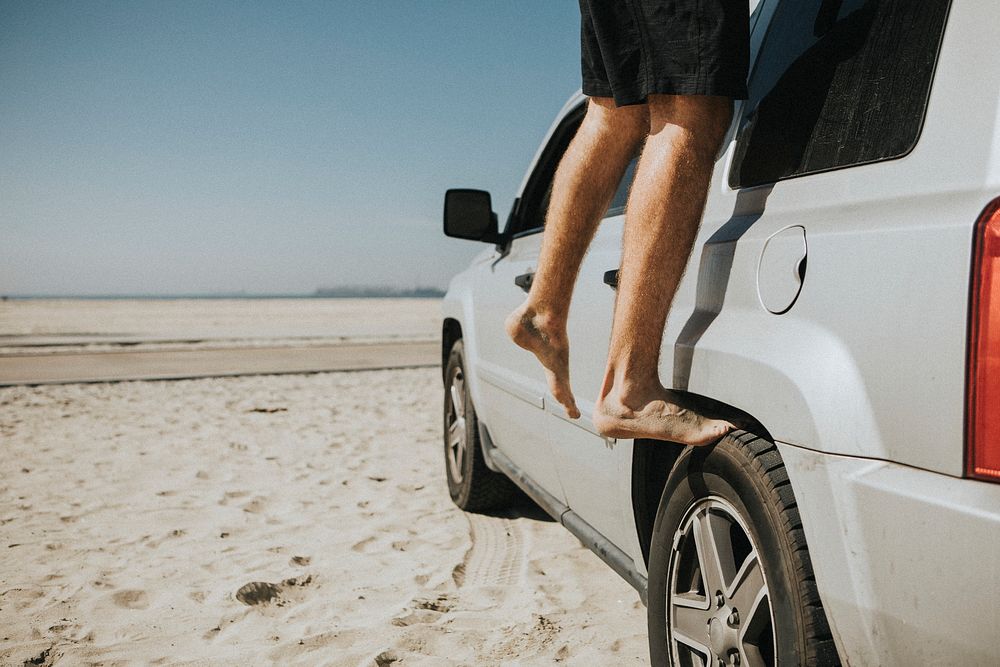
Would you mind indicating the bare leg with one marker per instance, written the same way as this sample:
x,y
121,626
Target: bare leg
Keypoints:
x,y
584,184
661,223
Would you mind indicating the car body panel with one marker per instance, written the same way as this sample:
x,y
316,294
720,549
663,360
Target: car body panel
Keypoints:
x,y
593,469
858,365
511,381
907,561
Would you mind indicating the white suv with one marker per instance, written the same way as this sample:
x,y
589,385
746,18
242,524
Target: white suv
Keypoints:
x,y
842,306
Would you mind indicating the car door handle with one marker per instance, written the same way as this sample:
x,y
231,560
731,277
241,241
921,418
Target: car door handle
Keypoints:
x,y
611,278
524,280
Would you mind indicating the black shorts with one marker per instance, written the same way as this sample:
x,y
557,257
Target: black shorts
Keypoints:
x,y
635,48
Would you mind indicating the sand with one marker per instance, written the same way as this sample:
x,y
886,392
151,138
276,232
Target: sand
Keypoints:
x,y
46,325
292,520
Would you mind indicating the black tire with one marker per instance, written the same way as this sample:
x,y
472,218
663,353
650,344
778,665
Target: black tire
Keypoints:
x,y
739,495
471,484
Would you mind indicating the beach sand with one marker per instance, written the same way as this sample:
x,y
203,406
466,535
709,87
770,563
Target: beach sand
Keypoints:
x,y
46,325
292,520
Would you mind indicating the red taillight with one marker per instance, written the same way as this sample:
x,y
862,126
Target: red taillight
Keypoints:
x,y
983,416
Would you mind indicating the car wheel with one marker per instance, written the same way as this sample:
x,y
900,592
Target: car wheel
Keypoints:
x,y
730,579
471,484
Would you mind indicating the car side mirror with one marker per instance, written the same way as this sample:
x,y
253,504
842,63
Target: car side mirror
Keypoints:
x,y
468,214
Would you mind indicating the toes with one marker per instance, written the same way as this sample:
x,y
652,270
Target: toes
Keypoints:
x,y
564,395
571,410
567,401
714,431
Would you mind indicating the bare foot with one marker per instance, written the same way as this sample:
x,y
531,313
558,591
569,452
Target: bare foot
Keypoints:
x,y
547,341
655,414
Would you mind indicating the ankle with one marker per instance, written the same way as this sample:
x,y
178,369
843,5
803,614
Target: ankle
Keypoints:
x,y
633,390
545,317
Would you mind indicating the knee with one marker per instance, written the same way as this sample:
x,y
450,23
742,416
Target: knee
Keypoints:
x,y
706,118
628,123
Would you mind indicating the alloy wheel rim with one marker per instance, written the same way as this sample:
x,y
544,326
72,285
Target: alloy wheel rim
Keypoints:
x,y
456,445
718,604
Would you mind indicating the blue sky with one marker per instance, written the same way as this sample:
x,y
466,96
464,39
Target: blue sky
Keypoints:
x,y
271,147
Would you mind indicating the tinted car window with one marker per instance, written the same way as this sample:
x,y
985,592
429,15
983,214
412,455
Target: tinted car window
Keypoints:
x,y
837,83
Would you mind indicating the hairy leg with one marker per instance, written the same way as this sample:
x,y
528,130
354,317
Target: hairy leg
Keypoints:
x,y
584,184
661,222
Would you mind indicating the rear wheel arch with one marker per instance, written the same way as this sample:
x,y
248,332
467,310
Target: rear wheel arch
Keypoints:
x,y
652,461
747,471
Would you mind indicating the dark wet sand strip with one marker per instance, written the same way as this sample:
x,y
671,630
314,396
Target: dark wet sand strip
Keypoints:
x,y
182,364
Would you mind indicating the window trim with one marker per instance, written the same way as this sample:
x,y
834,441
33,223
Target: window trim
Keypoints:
x,y
542,174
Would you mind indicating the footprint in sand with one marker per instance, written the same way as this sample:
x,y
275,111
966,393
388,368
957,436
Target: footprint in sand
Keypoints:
x,y
442,603
20,599
521,640
131,599
71,631
264,593
44,658
259,592
424,611
386,658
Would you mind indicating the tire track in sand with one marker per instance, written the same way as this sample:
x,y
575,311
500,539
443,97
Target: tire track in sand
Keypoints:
x,y
497,553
